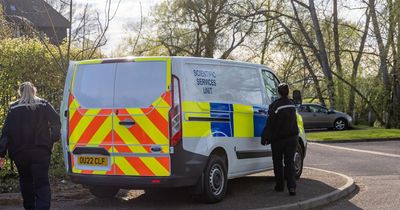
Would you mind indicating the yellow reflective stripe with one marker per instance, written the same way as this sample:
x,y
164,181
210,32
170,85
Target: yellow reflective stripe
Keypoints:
x,y
169,72
243,120
73,79
163,112
74,104
94,61
83,124
128,137
72,112
148,126
102,132
155,166
190,106
196,128
125,166
189,115
300,123
74,170
99,172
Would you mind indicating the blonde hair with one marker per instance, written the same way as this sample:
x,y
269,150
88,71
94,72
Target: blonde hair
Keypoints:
x,y
27,92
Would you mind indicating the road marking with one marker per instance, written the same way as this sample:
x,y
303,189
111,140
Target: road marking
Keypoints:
x,y
357,150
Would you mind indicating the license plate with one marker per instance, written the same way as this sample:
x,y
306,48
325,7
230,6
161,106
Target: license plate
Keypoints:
x,y
101,161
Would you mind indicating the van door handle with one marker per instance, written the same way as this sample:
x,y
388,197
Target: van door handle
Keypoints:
x,y
262,111
156,149
127,123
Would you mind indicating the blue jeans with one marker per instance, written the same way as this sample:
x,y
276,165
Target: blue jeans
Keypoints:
x,y
33,169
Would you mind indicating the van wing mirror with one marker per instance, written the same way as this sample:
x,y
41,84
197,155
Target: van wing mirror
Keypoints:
x,y
297,97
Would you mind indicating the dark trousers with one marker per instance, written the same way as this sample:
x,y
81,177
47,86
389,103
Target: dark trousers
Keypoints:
x,y
33,169
283,150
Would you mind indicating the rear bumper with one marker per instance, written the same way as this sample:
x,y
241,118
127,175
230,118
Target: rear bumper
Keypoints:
x,y
186,169
132,182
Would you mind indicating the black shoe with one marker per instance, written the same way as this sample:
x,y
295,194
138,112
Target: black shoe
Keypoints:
x,y
292,191
278,189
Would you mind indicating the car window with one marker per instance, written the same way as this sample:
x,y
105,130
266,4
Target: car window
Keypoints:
x,y
318,109
271,84
303,108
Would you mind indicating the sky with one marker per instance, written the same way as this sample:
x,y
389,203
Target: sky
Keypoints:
x,y
129,11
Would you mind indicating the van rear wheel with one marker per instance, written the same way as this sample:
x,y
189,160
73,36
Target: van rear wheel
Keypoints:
x,y
103,192
215,180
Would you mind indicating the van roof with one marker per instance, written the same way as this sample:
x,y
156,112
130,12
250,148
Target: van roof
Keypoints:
x,y
181,58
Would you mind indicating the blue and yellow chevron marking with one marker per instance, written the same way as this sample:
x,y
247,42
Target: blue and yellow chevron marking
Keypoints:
x,y
260,121
235,120
225,111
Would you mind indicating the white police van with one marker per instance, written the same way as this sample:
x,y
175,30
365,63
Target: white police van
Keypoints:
x,y
167,122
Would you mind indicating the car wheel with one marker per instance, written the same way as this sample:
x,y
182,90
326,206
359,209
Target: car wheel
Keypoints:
x,y
340,124
103,192
298,161
215,180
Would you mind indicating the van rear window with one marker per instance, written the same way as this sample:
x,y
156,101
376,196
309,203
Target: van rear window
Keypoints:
x,y
139,84
120,85
94,85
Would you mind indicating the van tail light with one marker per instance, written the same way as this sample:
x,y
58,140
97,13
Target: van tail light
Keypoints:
x,y
175,114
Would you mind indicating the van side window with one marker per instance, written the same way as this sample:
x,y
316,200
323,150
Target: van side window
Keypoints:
x,y
271,85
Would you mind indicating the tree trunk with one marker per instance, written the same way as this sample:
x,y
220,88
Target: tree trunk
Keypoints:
x,y
356,65
340,97
383,54
323,56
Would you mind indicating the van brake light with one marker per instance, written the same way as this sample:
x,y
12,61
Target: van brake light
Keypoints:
x,y
175,114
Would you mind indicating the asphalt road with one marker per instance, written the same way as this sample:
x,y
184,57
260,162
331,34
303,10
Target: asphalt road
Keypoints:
x,y
375,166
377,175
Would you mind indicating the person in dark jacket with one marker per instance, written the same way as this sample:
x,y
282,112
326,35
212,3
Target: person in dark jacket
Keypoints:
x,y
30,129
282,132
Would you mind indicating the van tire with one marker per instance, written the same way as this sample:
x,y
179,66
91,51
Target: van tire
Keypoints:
x,y
103,192
215,180
298,160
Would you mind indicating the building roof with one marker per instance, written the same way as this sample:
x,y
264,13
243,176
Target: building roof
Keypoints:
x,y
38,12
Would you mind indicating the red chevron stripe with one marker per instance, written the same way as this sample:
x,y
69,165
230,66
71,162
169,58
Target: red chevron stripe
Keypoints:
x,y
75,120
111,172
157,119
107,141
94,126
167,98
136,130
70,99
118,170
120,145
86,171
165,162
139,166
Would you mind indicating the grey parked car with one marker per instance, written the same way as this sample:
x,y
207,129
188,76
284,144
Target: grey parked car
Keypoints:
x,y
317,116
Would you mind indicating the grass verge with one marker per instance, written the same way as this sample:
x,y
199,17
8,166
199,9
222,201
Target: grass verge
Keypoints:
x,y
356,134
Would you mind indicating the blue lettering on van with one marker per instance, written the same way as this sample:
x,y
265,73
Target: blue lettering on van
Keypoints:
x,y
222,129
259,120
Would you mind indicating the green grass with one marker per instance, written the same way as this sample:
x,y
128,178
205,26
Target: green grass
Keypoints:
x,y
363,133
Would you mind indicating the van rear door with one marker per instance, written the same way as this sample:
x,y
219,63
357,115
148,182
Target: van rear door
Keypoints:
x,y
141,130
90,118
